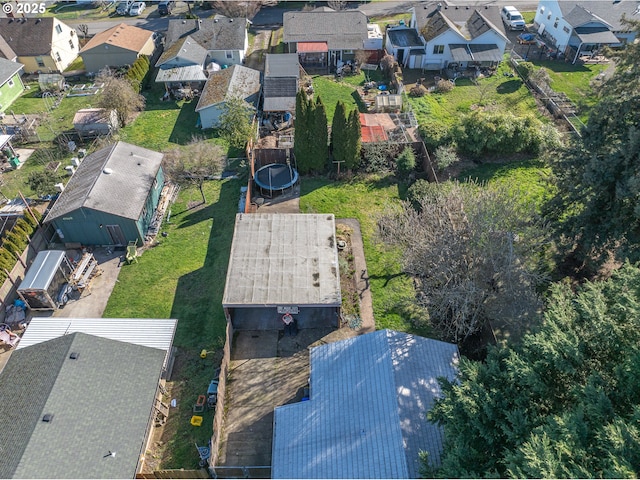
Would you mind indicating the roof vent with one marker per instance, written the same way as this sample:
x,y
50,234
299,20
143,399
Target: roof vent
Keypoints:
x,y
74,355
107,171
231,20
467,7
47,417
215,20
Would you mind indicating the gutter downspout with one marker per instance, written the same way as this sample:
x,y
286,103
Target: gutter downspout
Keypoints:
x,y
577,53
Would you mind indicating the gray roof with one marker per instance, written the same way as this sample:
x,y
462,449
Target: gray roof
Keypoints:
x,y
280,87
283,259
235,81
185,51
281,65
601,35
366,413
5,50
42,270
459,18
279,104
190,73
404,37
101,402
28,36
8,69
116,180
213,34
577,13
343,30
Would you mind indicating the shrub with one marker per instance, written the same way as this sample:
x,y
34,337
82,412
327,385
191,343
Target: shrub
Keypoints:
x,y
388,65
434,134
406,162
444,86
377,156
526,69
418,91
446,156
420,189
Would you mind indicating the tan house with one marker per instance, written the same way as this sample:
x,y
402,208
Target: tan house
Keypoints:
x,y
117,46
43,45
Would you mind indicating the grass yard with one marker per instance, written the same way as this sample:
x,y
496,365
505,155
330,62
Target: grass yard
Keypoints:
x,y
86,11
528,17
365,199
391,20
499,92
183,278
331,92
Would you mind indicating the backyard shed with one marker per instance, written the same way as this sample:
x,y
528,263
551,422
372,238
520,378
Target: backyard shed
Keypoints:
x,y
92,122
283,263
366,414
112,197
42,284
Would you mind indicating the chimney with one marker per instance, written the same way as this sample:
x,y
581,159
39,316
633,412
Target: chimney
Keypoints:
x,y
439,7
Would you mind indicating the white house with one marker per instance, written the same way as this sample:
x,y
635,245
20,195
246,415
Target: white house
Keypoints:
x,y
576,28
459,37
236,81
406,45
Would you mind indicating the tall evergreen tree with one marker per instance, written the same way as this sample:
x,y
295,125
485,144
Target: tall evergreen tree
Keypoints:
x,y
301,145
353,143
339,133
564,403
319,138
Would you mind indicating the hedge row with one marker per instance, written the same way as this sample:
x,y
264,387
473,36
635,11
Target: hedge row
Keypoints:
x,y
137,72
15,241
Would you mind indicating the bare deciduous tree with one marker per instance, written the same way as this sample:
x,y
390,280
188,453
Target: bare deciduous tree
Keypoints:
x,y
193,164
337,5
241,9
119,95
471,251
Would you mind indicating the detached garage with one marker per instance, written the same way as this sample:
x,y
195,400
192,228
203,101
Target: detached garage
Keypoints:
x,y
279,264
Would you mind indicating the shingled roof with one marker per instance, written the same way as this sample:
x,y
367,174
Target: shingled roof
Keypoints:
x,y
343,30
185,51
100,403
28,37
469,22
213,34
116,179
124,36
8,69
236,81
5,50
577,13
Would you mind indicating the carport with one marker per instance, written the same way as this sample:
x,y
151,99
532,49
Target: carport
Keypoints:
x,y
283,263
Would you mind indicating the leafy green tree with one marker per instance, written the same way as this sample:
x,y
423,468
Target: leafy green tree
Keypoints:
x,y
406,162
42,181
319,137
598,177
339,132
564,403
354,143
235,122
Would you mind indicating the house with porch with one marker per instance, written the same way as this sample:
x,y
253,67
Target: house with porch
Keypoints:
x,y
182,65
324,37
43,44
457,37
583,28
11,86
225,40
117,46
111,199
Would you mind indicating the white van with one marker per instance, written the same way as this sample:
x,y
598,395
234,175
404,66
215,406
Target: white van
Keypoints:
x,y
512,18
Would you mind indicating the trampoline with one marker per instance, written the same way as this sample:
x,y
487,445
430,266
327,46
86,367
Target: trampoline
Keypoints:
x,y
275,178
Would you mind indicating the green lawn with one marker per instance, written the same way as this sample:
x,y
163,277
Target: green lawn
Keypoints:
x,y
71,11
499,92
528,17
331,92
365,199
183,278
391,20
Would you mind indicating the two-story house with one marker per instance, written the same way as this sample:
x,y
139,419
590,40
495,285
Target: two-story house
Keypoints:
x,y
577,28
41,44
10,82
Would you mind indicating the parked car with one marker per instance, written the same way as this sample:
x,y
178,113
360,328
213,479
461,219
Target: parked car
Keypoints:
x,y
123,7
512,18
166,7
137,8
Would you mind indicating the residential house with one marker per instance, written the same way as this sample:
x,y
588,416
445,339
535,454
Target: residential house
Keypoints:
x,y
225,39
366,413
281,82
406,45
324,37
577,28
118,46
43,44
182,64
78,406
112,197
10,82
236,81
92,122
458,37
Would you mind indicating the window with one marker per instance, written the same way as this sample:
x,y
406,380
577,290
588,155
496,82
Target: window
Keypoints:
x,y
58,29
438,49
71,44
565,29
58,57
555,24
40,61
228,54
11,83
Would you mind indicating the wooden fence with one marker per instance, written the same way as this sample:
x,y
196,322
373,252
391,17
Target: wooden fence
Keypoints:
x,y
202,473
218,418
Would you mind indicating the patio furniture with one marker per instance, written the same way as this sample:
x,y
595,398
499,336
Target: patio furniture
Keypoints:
x,y
198,407
7,336
132,252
